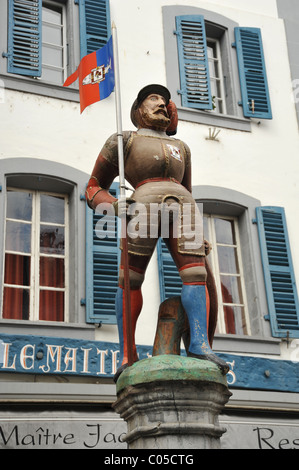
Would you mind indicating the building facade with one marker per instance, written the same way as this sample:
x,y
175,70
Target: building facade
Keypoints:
x,y
232,69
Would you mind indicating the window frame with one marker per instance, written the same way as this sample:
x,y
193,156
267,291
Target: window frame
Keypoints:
x,y
74,21
224,27
37,85
35,254
227,202
62,6
214,260
47,177
220,77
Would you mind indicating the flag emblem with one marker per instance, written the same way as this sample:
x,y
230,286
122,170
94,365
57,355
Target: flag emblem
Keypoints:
x,y
96,76
175,152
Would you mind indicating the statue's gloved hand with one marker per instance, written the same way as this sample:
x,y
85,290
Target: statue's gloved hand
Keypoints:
x,y
121,206
208,247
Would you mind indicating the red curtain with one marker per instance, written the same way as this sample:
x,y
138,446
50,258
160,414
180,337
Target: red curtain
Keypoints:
x,y
229,316
16,300
51,303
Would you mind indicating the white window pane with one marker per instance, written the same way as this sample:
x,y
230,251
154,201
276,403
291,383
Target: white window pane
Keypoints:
x,y
19,205
231,289
51,15
227,257
216,77
235,320
225,231
213,88
53,44
51,209
52,240
52,75
52,34
52,56
211,50
18,237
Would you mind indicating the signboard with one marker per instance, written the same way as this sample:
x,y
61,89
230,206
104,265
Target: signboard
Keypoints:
x,y
105,430
61,430
68,356
260,433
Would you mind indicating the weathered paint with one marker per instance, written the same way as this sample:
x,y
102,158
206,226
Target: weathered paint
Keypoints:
x,y
170,368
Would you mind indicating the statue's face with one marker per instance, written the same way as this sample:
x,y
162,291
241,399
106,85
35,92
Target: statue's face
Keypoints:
x,y
152,113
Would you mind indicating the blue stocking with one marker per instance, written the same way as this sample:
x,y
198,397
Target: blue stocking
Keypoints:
x,y
194,302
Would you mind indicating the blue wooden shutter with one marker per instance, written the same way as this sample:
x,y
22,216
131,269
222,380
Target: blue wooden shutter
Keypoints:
x,y
169,278
193,62
24,37
278,271
102,260
95,26
252,72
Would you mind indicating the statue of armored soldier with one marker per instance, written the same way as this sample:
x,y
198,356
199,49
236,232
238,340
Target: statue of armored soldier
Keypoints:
x,y
158,166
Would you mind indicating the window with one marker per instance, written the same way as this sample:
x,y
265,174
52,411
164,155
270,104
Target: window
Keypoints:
x,y
36,256
226,263
201,70
216,70
46,39
216,76
53,43
252,264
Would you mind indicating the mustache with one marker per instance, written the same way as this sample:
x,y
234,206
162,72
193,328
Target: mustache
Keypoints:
x,y
161,110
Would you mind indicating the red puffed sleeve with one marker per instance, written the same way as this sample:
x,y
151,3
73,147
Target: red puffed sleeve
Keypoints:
x,y
103,174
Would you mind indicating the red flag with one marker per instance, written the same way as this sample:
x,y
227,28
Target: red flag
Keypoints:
x,y
96,76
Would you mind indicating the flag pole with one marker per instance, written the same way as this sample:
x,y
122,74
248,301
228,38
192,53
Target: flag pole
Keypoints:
x,y
122,200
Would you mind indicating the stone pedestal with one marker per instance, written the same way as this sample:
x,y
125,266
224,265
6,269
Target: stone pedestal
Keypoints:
x,y
172,402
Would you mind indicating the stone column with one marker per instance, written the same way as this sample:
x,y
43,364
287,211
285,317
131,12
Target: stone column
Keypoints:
x,y
172,402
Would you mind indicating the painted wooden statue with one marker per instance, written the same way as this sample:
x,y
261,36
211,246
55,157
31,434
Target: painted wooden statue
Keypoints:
x,y
158,166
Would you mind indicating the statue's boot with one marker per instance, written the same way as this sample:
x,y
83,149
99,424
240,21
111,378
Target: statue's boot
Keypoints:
x,y
195,300
136,306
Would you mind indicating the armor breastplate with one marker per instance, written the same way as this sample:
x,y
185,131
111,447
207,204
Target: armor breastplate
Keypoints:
x,y
152,157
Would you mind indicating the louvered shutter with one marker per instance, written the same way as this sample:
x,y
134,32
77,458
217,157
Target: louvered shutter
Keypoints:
x,y
95,26
252,72
193,62
24,37
278,271
169,278
102,260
